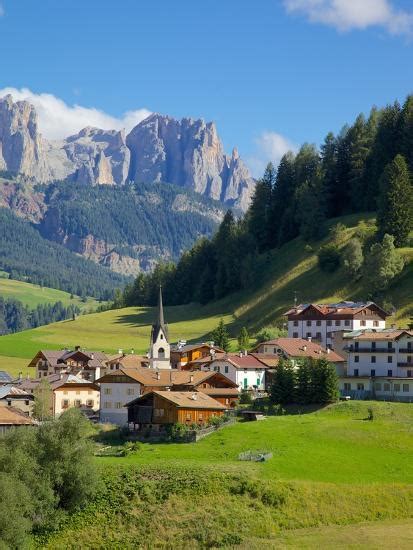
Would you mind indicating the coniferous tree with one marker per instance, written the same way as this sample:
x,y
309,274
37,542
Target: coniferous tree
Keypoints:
x,y
243,339
220,336
406,131
353,257
324,382
282,390
304,392
259,211
395,212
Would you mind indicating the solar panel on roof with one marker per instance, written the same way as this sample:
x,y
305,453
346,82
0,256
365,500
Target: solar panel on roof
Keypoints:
x,y
5,376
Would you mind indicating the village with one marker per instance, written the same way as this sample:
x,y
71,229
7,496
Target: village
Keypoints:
x,y
194,383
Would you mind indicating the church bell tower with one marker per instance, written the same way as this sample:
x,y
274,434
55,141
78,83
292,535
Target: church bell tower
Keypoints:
x,y
160,350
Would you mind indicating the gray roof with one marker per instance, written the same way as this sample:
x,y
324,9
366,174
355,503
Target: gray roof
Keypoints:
x,y
10,390
5,377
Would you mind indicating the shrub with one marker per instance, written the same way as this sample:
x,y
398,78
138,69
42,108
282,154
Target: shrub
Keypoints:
x,y
245,397
329,258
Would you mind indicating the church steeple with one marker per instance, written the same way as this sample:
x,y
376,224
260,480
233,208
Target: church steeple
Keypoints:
x,y
159,355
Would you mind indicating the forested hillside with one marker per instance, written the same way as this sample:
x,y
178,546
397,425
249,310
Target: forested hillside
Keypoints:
x,y
366,168
25,255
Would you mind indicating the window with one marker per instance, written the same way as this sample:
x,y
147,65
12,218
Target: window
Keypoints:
x,y
107,405
27,402
226,369
373,358
296,323
161,336
90,402
245,383
373,345
347,386
329,323
386,386
65,403
308,323
377,386
338,323
356,358
405,387
362,323
78,403
409,373
188,416
318,323
409,358
8,403
390,359
409,346
396,387
356,372
389,345
295,334
258,381
118,405
347,323
107,391
308,334
356,346
373,372
389,372
161,353
360,386
375,323
130,391
159,412
318,335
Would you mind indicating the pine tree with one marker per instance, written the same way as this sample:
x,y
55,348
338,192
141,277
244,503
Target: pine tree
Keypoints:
x,y
282,226
406,131
282,390
220,336
259,212
243,339
325,382
395,212
304,394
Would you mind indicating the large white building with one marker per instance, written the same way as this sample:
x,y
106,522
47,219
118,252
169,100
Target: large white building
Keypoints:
x,y
320,321
244,369
379,363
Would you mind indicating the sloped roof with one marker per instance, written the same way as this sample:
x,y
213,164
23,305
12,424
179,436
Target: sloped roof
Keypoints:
x,y
267,359
336,309
191,347
10,416
165,378
299,347
248,361
387,334
56,381
5,377
9,390
185,400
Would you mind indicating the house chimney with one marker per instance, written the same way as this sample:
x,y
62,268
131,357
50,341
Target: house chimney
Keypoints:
x,y
158,375
77,348
309,338
132,351
120,351
191,378
304,348
92,355
240,353
194,397
328,350
20,375
245,352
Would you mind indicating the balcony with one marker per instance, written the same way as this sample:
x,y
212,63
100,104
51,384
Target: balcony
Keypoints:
x,y
408,365
405,350
370,350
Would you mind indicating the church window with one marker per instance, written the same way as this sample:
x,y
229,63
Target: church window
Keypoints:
x,y
161,353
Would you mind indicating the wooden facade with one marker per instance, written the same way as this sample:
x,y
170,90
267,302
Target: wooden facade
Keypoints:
x,y
163,408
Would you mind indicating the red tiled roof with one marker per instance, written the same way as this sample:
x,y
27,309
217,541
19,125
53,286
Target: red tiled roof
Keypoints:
x,y
298,347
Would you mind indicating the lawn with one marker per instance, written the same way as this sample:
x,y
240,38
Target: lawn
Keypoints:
x,y
333,445
32,295
336,480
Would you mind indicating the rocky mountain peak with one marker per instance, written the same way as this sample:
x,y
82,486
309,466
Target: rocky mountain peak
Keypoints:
x,y
186,152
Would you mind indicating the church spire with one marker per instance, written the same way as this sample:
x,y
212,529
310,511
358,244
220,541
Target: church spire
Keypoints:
x,y
161,320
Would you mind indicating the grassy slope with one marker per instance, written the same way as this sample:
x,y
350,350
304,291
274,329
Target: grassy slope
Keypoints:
x,y
282,273
32,295
331,471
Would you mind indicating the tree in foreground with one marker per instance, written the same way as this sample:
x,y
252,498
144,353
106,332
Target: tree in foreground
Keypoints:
x,y
282,390
395,205
324,381
243,339
382,264
220,336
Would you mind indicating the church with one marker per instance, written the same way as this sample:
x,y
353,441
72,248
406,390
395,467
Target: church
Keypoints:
x,y
160,350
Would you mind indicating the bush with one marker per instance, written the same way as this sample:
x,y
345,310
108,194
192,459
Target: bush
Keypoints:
x,y
245,397
329,258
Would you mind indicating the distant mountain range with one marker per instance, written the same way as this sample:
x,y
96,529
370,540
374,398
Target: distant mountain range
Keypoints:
x,y
124,202
186,152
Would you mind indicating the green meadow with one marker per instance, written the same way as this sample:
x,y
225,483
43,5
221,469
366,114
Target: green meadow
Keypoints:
x,y
336,480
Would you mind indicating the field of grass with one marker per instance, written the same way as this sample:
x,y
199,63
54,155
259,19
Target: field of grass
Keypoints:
x,y
32,295
283,273
336,480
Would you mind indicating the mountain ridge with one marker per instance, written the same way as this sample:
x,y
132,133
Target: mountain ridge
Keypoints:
x,y
186,152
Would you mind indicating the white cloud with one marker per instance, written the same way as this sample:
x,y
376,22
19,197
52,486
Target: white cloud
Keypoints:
x,y
346,15
269,147
2,12
58,120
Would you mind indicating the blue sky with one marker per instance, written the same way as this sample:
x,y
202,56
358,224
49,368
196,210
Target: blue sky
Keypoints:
x,y
271,74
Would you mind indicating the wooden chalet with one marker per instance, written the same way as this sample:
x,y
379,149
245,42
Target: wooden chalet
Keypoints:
x,y
184,355
14,418
160,408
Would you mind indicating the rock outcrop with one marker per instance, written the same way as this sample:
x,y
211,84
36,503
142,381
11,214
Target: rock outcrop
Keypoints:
x,y
184,152
188,153
21,145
